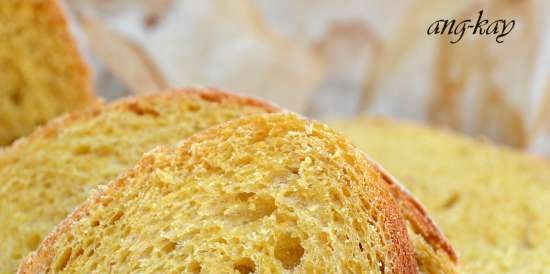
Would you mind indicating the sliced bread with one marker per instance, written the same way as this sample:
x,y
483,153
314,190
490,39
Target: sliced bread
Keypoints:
x,y
41,72
69,156
44,176
492,202
263,194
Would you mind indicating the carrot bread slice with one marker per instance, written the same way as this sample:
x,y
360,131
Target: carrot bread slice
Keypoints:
x,y
41,72
46,175
491,202
267,193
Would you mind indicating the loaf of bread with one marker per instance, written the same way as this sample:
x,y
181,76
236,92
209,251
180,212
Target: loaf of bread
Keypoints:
x,y
41,71
268,193
44,176
491,202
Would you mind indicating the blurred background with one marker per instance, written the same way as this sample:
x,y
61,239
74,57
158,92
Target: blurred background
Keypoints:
x,y
334,59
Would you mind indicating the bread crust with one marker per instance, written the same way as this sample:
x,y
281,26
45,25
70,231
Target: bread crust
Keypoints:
x,y
38,261
416,214
52,128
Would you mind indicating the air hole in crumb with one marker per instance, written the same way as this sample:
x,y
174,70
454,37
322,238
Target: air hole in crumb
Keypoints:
x,y
169,247
335,196
220,240
82,150
244,160
78,252
451,201
147,252
289,193
337,217
117,217
283,218
194,267
123,255
245,266
243,196
324,239
289,251
94,223
346,192
361,247
265,205
63,259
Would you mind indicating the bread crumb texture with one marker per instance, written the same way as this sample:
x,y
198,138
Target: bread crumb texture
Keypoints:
x,y
491,202
41,72
263,194
45,176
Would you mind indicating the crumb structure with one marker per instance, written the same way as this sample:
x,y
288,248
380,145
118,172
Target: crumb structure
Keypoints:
x,y
41,71
491,202
46,175
269,193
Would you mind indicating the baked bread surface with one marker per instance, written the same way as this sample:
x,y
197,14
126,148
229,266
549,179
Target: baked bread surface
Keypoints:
x,y
46,175
42,73
263,194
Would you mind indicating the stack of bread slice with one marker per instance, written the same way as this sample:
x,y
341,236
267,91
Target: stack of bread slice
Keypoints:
x,y
41,72
56,168
491,202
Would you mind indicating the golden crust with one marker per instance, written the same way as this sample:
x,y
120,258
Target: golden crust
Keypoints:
x,y
38,261
207,93
416,214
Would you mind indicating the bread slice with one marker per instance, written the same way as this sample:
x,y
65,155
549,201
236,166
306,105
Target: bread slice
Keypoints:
x,y
263,194
42,73
492,202
47,174
69,156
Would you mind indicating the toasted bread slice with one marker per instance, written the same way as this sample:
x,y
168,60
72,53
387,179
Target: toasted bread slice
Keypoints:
x,y
42,73
47,174
266,193
492,202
